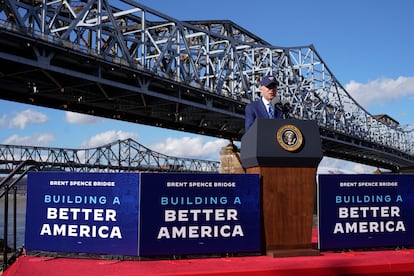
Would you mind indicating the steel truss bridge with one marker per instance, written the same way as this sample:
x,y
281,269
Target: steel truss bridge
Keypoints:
x,y
122,155
123,60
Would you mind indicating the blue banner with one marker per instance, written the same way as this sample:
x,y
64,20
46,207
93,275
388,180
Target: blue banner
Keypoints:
x,y
360,211
82,212
199,214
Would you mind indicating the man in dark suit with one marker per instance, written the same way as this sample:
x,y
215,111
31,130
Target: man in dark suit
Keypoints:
x,y
263,108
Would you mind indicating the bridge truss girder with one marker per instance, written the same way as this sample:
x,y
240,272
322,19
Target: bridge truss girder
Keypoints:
x,y
122,155
138,65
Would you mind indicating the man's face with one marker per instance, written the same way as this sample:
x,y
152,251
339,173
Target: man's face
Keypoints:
x,y
269,92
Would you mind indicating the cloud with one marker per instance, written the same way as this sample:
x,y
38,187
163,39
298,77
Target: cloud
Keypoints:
x,y
381,90
189,147
81,119
330,165
108,137
29,116
40,140
3,120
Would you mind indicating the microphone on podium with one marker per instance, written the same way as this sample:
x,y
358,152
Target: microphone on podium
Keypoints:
x,y
283,106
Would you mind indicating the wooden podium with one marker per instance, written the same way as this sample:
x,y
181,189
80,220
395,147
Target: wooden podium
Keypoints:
x,y
286,154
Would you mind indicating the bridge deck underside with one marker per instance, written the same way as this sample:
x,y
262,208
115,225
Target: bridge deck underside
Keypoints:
x,y
51,76
355,149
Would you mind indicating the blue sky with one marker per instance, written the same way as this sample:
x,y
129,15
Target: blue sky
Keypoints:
x,y
368,45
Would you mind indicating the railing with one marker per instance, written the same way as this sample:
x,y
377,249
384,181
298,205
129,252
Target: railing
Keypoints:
x,y
6,185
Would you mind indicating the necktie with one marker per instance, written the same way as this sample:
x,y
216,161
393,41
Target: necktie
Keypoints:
x,y
271,111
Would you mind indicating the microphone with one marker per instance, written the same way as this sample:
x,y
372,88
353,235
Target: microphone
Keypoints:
x,y
282,106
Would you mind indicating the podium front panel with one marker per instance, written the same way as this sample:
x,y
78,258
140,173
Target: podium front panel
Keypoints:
x,y
281,143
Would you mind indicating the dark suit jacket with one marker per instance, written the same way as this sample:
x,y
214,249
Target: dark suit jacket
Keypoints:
x,y
257,110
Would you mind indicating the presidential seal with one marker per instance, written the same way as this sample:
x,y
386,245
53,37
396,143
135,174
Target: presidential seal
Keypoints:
x,y
289,137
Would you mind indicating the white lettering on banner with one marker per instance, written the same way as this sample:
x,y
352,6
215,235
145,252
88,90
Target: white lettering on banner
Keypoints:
x,y
363,212
81,214
82,183
176,184
200,184
200,231
225,231
200,214
104,183
369,227
58,182
377,212
81,231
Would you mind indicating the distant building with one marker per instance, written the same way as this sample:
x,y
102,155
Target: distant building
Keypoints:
x,y
386,120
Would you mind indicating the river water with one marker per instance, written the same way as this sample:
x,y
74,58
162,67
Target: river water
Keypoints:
x,y
20,220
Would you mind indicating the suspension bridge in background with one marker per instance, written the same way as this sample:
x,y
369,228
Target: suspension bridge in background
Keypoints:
x,y
125,61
